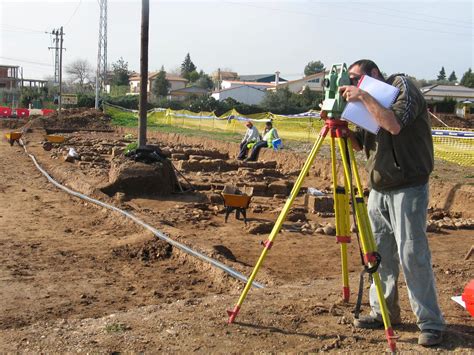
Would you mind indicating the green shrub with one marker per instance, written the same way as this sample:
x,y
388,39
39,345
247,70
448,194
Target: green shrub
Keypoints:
x,y
131,147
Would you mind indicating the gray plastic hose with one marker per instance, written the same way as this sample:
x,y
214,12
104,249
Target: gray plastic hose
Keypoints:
x,y
235,274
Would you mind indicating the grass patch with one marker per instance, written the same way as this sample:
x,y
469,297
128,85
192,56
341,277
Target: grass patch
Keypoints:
x,y
217,134
125,118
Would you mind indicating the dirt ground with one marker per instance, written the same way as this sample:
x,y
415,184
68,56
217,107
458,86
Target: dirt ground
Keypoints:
x,y
80,278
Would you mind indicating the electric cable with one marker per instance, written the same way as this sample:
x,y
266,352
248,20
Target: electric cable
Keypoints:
x,y
26,61
11,28
345,19
74,13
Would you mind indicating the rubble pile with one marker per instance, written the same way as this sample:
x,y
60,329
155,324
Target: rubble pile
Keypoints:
x,y
439,219
94,154
75,120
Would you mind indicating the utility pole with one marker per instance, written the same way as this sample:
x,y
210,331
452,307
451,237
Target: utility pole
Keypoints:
x,y
60,99
58,62
56,55
143,74
101,73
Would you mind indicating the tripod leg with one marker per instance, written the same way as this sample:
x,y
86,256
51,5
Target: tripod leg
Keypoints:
x,y
341,210
279,222
371,257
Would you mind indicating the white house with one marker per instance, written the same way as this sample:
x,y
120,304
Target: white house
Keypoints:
x,y
244,93
227,84
313,81
176,82
439,92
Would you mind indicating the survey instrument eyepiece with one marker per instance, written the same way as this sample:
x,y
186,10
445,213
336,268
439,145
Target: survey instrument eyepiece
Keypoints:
x,y
333,102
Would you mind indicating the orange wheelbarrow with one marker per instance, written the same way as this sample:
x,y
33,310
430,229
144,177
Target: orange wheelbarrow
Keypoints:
x,y
49,139
237,200
13,137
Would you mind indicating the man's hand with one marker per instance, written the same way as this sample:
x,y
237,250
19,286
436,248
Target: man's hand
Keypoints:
x,y
384,117
352,93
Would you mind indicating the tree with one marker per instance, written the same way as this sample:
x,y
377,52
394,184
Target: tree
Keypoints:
x,y
187,67
192,76
161,84
442,75
80,72
204,81
203,103
29,94
120,73
311,98
467,79
313,68
452,77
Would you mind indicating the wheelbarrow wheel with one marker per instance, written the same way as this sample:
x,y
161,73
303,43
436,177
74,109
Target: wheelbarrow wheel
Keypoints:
x,y
47,146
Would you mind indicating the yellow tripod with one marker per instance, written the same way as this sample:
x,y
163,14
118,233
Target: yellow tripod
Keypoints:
x,y
343,196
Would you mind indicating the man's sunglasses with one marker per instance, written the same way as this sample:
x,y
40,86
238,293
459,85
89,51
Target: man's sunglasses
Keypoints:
x,y
355,80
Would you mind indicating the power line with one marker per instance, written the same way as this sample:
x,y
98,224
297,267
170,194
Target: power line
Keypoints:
x,y
422,14
339,18
11,28
70,18
404,17
26,61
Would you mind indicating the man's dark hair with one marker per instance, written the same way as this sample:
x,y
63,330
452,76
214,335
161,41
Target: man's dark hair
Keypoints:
x,y
366,66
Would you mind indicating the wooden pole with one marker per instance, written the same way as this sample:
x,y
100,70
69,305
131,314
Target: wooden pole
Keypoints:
x,y
143,74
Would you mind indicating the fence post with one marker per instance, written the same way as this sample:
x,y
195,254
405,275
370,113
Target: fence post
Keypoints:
x,y
310,125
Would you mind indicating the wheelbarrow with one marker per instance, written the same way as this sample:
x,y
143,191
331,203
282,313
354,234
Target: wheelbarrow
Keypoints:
x,y
237,200
49,139
13,137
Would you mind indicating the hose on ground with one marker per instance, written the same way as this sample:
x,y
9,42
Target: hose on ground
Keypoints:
x,y
235,274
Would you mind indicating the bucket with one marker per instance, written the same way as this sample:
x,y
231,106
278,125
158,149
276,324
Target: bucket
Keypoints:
x,y
468,297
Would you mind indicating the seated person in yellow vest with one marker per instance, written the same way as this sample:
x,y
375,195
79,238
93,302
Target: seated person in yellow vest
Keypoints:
x,y
269,135
251,137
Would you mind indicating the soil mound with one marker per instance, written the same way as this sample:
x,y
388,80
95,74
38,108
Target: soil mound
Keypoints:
x,y
136,178
452,121
71,120
12,123
149,251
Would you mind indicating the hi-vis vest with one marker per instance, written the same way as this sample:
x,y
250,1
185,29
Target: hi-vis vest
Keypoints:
x,y
270,137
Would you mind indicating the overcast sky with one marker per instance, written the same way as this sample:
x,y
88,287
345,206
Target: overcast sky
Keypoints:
x,y
250,37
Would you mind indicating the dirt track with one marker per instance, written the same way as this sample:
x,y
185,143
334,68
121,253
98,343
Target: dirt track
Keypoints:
x,y
79,278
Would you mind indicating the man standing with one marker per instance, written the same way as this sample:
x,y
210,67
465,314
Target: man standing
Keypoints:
x,y
251,136
399,162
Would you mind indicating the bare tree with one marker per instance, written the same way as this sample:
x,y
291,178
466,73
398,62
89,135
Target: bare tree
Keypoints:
x,y
80,72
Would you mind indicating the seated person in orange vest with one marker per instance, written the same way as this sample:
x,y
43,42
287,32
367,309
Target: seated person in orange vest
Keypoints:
x,y
251,137
269,135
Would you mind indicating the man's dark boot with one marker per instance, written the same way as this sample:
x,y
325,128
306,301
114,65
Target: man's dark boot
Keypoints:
x,y
371,322
368,322
430,337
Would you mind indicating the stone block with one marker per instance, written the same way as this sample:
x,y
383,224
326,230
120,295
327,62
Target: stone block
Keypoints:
x,y
197,157
269,172
259,189
189,165
116,151
179,156
277,188
320,203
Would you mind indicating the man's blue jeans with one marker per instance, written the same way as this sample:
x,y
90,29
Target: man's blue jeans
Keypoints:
x,y
398,220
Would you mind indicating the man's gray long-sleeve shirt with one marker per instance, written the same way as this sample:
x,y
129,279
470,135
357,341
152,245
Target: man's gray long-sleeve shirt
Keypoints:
x,y
251,135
